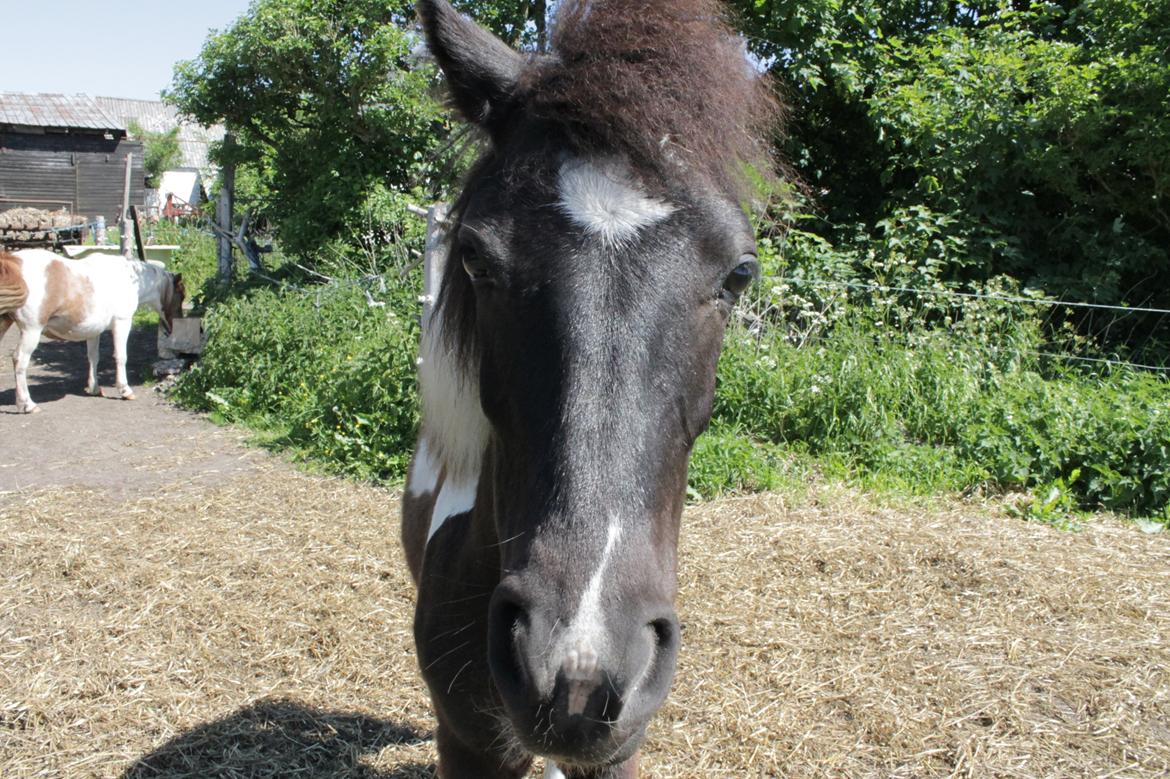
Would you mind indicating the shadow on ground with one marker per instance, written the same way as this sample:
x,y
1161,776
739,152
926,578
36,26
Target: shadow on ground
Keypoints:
x,y
282,738
60,367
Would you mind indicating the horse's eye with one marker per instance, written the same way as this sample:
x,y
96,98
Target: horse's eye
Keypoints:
x,y
477,269
741,278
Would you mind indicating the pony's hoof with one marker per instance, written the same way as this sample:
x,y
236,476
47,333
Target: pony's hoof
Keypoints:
x,y
94,391
129,396
30,410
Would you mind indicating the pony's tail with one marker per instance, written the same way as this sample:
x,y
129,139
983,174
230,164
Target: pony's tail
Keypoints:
x,y
13,290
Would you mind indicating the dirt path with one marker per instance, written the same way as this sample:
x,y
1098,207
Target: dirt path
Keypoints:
x,y
124,447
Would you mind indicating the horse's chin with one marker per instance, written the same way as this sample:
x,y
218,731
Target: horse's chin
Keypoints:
x,y
614,750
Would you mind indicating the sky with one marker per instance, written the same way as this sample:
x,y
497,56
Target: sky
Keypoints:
x,y
112,48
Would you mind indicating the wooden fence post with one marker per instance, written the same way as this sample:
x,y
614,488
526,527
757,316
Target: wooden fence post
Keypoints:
x,y
136,221
434,259
124,221
224,216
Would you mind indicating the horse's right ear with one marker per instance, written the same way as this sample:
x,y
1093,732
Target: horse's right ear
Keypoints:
x,y
481,69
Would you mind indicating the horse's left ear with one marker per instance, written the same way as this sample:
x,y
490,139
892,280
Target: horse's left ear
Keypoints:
x,y
482,70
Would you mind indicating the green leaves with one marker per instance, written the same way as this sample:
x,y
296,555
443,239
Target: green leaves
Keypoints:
x,y
1026,134
1042,133
161,151
323,371
325,100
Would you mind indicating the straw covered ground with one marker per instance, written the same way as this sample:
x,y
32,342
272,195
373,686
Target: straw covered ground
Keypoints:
x,y
260,627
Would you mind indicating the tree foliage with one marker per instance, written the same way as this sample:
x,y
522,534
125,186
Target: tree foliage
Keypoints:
x,y
519,22
325,100
1038,128
160,151
1036,131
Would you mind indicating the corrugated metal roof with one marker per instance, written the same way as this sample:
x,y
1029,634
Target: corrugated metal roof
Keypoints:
x,y
65,112
156,116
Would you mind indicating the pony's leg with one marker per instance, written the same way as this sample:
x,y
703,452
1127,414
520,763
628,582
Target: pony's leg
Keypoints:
x,y
91,350
121,333
29,338
6,323
456,761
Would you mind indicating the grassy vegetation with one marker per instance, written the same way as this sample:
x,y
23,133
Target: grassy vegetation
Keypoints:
x,y
195,257
323,372
897,393
936,415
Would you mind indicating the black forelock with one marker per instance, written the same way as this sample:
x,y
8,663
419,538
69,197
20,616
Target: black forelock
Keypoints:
x,y
662,82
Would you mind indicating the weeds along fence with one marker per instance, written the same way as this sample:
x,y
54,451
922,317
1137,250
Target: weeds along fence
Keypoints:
x,y
1092,335
937,389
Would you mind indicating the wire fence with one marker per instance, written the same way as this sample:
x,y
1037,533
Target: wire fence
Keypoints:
x,y
1078,332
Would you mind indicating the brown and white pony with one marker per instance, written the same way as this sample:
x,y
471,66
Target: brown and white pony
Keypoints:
x,y
77,300
595,256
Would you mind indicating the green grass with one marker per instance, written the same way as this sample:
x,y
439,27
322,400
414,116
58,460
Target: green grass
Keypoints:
x,y
935,413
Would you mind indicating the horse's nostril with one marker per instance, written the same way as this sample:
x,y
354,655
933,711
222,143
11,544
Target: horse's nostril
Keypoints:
x,y
508,630
659,669
665,633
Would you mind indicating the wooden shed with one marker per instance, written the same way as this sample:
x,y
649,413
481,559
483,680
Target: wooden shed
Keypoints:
x,y
64,151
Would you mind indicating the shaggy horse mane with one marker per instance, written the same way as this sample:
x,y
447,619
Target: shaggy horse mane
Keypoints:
x,y
657,80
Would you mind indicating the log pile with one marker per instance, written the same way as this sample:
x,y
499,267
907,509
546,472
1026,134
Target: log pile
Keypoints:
x,y
34,227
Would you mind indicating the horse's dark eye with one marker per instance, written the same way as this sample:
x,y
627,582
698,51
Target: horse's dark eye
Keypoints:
x,y
741,278
475,266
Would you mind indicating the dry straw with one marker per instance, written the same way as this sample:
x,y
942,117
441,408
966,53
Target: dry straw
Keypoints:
x,y
262,629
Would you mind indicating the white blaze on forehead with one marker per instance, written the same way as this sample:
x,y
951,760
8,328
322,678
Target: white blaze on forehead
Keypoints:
x,y
551,771
603,198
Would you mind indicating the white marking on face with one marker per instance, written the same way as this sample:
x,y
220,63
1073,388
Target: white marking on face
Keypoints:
x,y
581,671
584,639
588,618
424,471
454,424
455,498
552,771
603,198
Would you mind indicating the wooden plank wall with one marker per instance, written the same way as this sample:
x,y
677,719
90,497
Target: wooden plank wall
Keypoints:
x,y
82,172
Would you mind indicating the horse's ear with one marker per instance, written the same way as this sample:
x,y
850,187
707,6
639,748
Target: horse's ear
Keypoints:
x,y
481,69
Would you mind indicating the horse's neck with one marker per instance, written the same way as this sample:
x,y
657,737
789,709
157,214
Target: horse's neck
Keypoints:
x,y
148,281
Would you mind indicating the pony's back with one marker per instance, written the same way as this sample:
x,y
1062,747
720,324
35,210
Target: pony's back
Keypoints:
x,y
13,290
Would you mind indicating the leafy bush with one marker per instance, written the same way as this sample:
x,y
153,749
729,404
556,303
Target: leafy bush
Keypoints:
x,y
324,370
161,151
935,413
196,256
726,460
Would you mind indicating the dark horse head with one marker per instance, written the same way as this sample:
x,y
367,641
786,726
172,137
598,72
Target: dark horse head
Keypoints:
x,y
595,256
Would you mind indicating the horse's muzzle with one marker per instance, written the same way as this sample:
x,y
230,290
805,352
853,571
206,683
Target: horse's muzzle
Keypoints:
x,y
582,698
